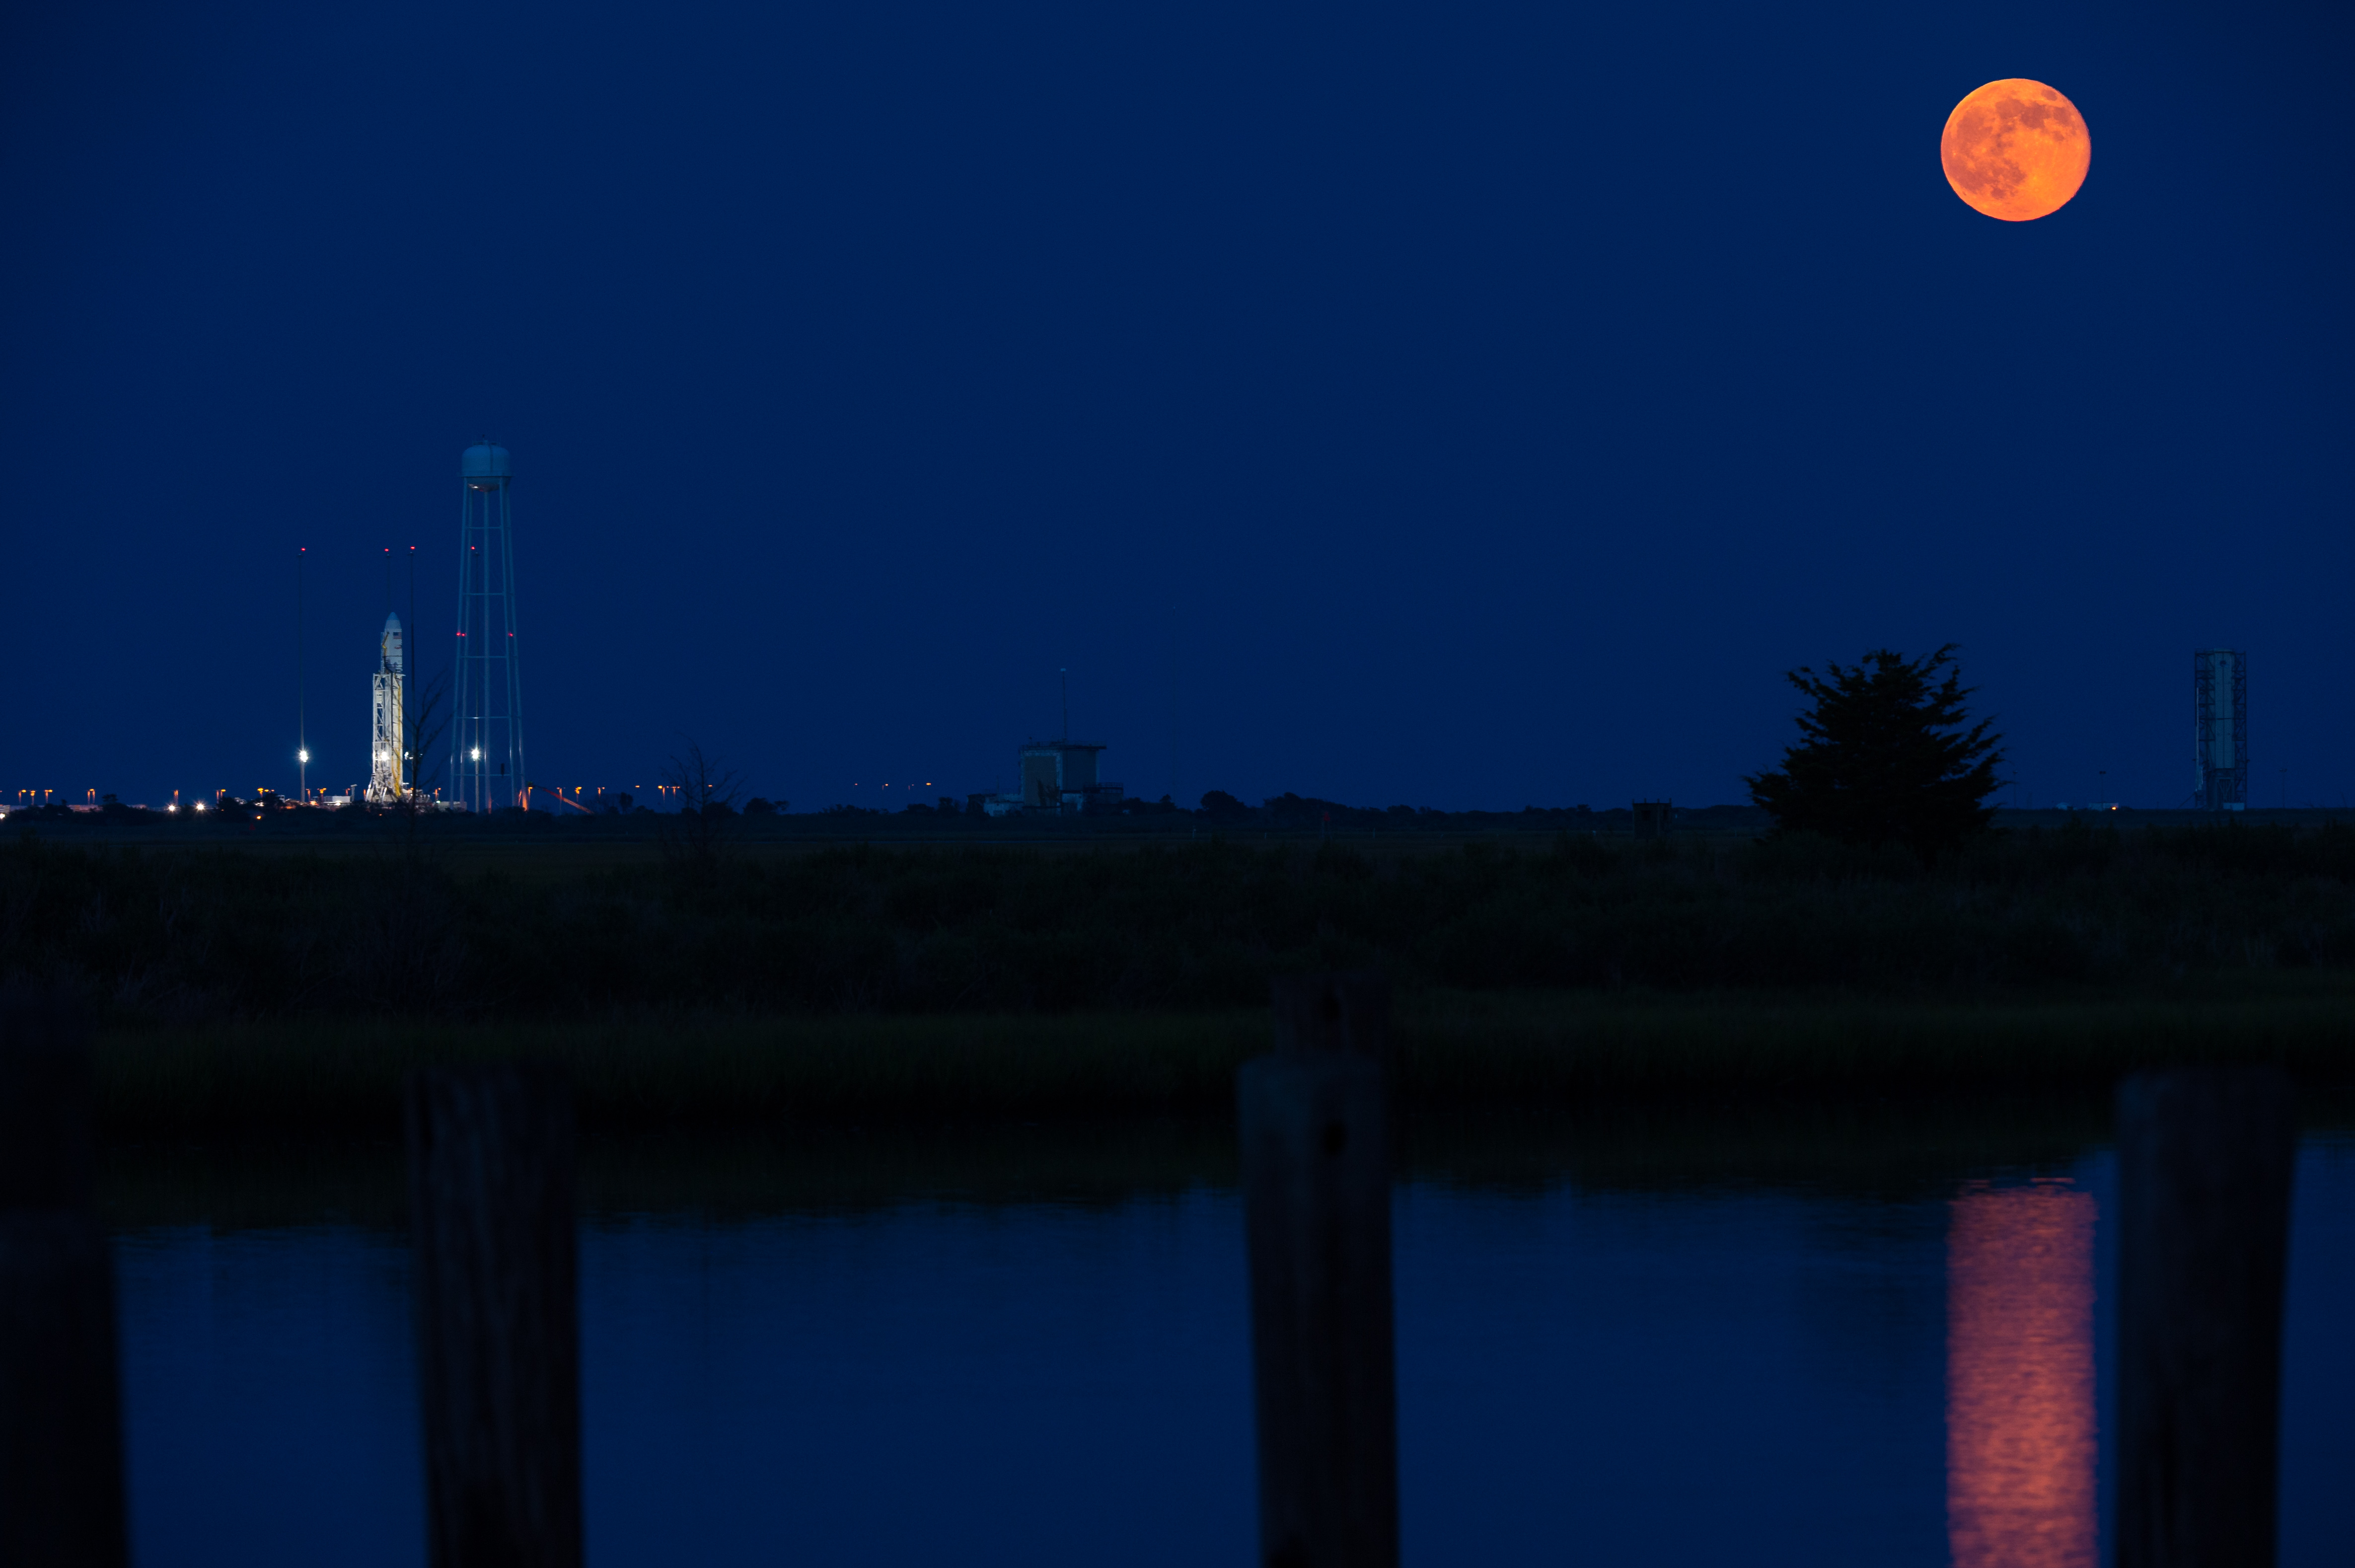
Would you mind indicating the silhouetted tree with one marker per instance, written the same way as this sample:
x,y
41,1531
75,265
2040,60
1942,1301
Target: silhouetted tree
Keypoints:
x,y
426,716
1218,802
1884,757
706,790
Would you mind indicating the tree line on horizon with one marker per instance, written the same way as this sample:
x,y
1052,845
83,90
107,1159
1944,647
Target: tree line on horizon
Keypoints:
x,y
1887,754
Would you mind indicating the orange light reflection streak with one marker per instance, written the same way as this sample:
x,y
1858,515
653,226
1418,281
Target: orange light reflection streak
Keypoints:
x,y
2020,1438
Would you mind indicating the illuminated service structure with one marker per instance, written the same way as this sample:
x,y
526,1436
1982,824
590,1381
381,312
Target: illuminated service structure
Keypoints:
x,y
389,738
487,768
1057,777
2220,728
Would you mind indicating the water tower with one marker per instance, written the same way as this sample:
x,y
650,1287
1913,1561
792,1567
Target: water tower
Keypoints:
x,y
2220,720
486,699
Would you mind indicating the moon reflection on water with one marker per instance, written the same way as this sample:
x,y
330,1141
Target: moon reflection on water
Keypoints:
x,y
2022,1433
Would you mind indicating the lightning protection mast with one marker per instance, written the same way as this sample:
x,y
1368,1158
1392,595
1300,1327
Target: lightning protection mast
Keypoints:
x,y
2220,728
487,748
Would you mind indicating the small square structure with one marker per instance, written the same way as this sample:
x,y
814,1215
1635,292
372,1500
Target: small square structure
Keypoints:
x,y
1059,777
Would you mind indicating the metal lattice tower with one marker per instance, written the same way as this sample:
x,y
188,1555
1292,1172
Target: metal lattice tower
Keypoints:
x,y
2220,728
486,701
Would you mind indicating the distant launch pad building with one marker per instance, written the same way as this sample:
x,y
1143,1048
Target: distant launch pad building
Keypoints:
x,y
1057,777
2220,728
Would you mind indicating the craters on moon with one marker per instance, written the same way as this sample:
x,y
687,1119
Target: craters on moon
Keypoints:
x,y
2016,149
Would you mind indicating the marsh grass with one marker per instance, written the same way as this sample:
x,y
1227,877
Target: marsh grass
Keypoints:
x,y
691,1071
1502,1048
194,937
295,991
1453,1049
709,1173
1881,1146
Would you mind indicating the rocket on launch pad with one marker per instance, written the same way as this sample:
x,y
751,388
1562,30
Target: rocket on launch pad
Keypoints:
x,y
390,746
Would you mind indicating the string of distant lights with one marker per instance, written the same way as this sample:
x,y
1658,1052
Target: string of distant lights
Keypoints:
x,y
581,795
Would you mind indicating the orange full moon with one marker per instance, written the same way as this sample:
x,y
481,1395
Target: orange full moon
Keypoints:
x,y
2016,149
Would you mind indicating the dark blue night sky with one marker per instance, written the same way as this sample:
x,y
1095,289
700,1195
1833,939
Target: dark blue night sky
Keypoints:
x,y
1461,405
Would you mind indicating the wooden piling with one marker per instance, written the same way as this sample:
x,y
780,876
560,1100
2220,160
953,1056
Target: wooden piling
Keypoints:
x,y
2205,1160
1318,1217
492,1218
1346,1011
61,1500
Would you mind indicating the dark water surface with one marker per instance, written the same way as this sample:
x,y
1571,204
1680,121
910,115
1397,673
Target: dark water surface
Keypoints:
x,y
1869,1334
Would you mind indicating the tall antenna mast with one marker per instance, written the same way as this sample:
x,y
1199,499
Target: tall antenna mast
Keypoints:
x,y
1173,698
302,730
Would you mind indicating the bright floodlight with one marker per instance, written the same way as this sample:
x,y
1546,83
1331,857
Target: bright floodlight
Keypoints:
x,y
302,757
476,755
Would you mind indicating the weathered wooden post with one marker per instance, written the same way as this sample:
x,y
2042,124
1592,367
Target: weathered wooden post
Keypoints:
x,y
2205,1158
60,1399
1318,1220
1347,1011
491,1213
